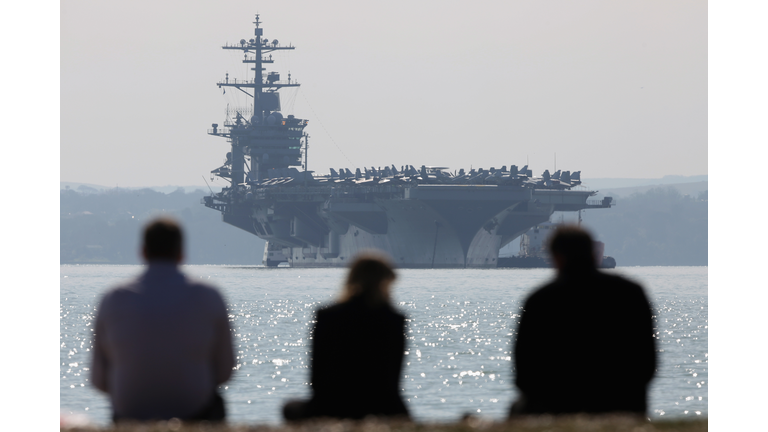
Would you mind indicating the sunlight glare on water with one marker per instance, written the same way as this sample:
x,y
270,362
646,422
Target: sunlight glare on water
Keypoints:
x,y
460,328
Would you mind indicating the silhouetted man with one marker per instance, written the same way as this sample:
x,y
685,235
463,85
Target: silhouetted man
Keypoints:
x,y
585,341
162,342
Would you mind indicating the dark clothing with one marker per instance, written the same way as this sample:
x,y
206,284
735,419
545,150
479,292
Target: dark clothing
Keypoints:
x,y
357,359
585,343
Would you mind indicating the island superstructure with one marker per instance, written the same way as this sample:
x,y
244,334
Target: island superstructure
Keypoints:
x,y
425,217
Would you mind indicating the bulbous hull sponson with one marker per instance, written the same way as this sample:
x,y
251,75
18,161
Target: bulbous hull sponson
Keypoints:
x,y
424,226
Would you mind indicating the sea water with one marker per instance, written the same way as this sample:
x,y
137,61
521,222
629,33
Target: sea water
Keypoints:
x,y
459,330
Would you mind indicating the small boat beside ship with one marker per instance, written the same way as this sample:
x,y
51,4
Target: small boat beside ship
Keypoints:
x,y
533,250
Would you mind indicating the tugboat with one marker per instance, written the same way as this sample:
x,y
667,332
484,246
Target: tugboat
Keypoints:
x,y
534,254
427,217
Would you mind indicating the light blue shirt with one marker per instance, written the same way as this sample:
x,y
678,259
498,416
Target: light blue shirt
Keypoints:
x,y
162,344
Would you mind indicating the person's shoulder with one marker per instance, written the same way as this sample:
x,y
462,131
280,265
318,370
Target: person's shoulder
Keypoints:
x,y
204,290
619,281
354,308
543,291
126,288
393,312
623,287
200,286
327,310
119,294
333,309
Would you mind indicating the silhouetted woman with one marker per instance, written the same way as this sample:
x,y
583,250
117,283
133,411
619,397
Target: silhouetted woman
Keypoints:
x,y
357,350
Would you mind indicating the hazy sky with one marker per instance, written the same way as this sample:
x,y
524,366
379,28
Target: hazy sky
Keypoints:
x,y
616,89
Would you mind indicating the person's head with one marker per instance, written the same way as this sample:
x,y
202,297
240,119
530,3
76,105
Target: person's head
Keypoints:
x,y
369,278
571,248
163,241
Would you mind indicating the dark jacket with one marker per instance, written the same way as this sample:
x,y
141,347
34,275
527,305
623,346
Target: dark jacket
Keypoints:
x,y
585,343
357,359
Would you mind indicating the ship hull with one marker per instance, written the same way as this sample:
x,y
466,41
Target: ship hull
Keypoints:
x,y
416,237
418,227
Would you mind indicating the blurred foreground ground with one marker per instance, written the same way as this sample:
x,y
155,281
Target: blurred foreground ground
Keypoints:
x,y
539,424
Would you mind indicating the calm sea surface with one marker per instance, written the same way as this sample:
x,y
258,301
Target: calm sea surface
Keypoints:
x,y
458,358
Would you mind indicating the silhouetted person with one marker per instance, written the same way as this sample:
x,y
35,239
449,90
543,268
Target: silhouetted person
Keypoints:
x,y
585,342
162,342
357,352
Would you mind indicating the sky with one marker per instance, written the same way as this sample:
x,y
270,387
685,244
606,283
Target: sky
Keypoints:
x,y
612,89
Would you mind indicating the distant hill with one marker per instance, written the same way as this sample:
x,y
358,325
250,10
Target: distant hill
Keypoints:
x,y
657,227
615,183
649,225
601,184
94,188
105,227
693,189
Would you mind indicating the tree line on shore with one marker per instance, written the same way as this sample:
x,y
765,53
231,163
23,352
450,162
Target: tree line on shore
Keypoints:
x,y
105,227
658,227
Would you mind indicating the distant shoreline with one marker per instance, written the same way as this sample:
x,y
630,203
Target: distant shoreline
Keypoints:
x,y
596,183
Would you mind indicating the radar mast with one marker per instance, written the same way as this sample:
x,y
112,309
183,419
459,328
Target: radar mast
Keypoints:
x,y
269,140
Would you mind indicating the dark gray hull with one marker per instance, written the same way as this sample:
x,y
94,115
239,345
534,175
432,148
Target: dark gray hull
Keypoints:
x,y
425,226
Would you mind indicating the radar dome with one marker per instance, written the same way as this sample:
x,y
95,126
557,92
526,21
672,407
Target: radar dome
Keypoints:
x,y
271,119
278,116
242,41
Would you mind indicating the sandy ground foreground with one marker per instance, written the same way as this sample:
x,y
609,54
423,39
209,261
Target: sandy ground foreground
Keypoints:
x,y
537,424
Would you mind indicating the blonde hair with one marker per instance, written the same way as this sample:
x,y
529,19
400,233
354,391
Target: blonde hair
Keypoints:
x,y
368,278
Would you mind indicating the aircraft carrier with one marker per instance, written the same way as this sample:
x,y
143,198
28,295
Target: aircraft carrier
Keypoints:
x,y
425,217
